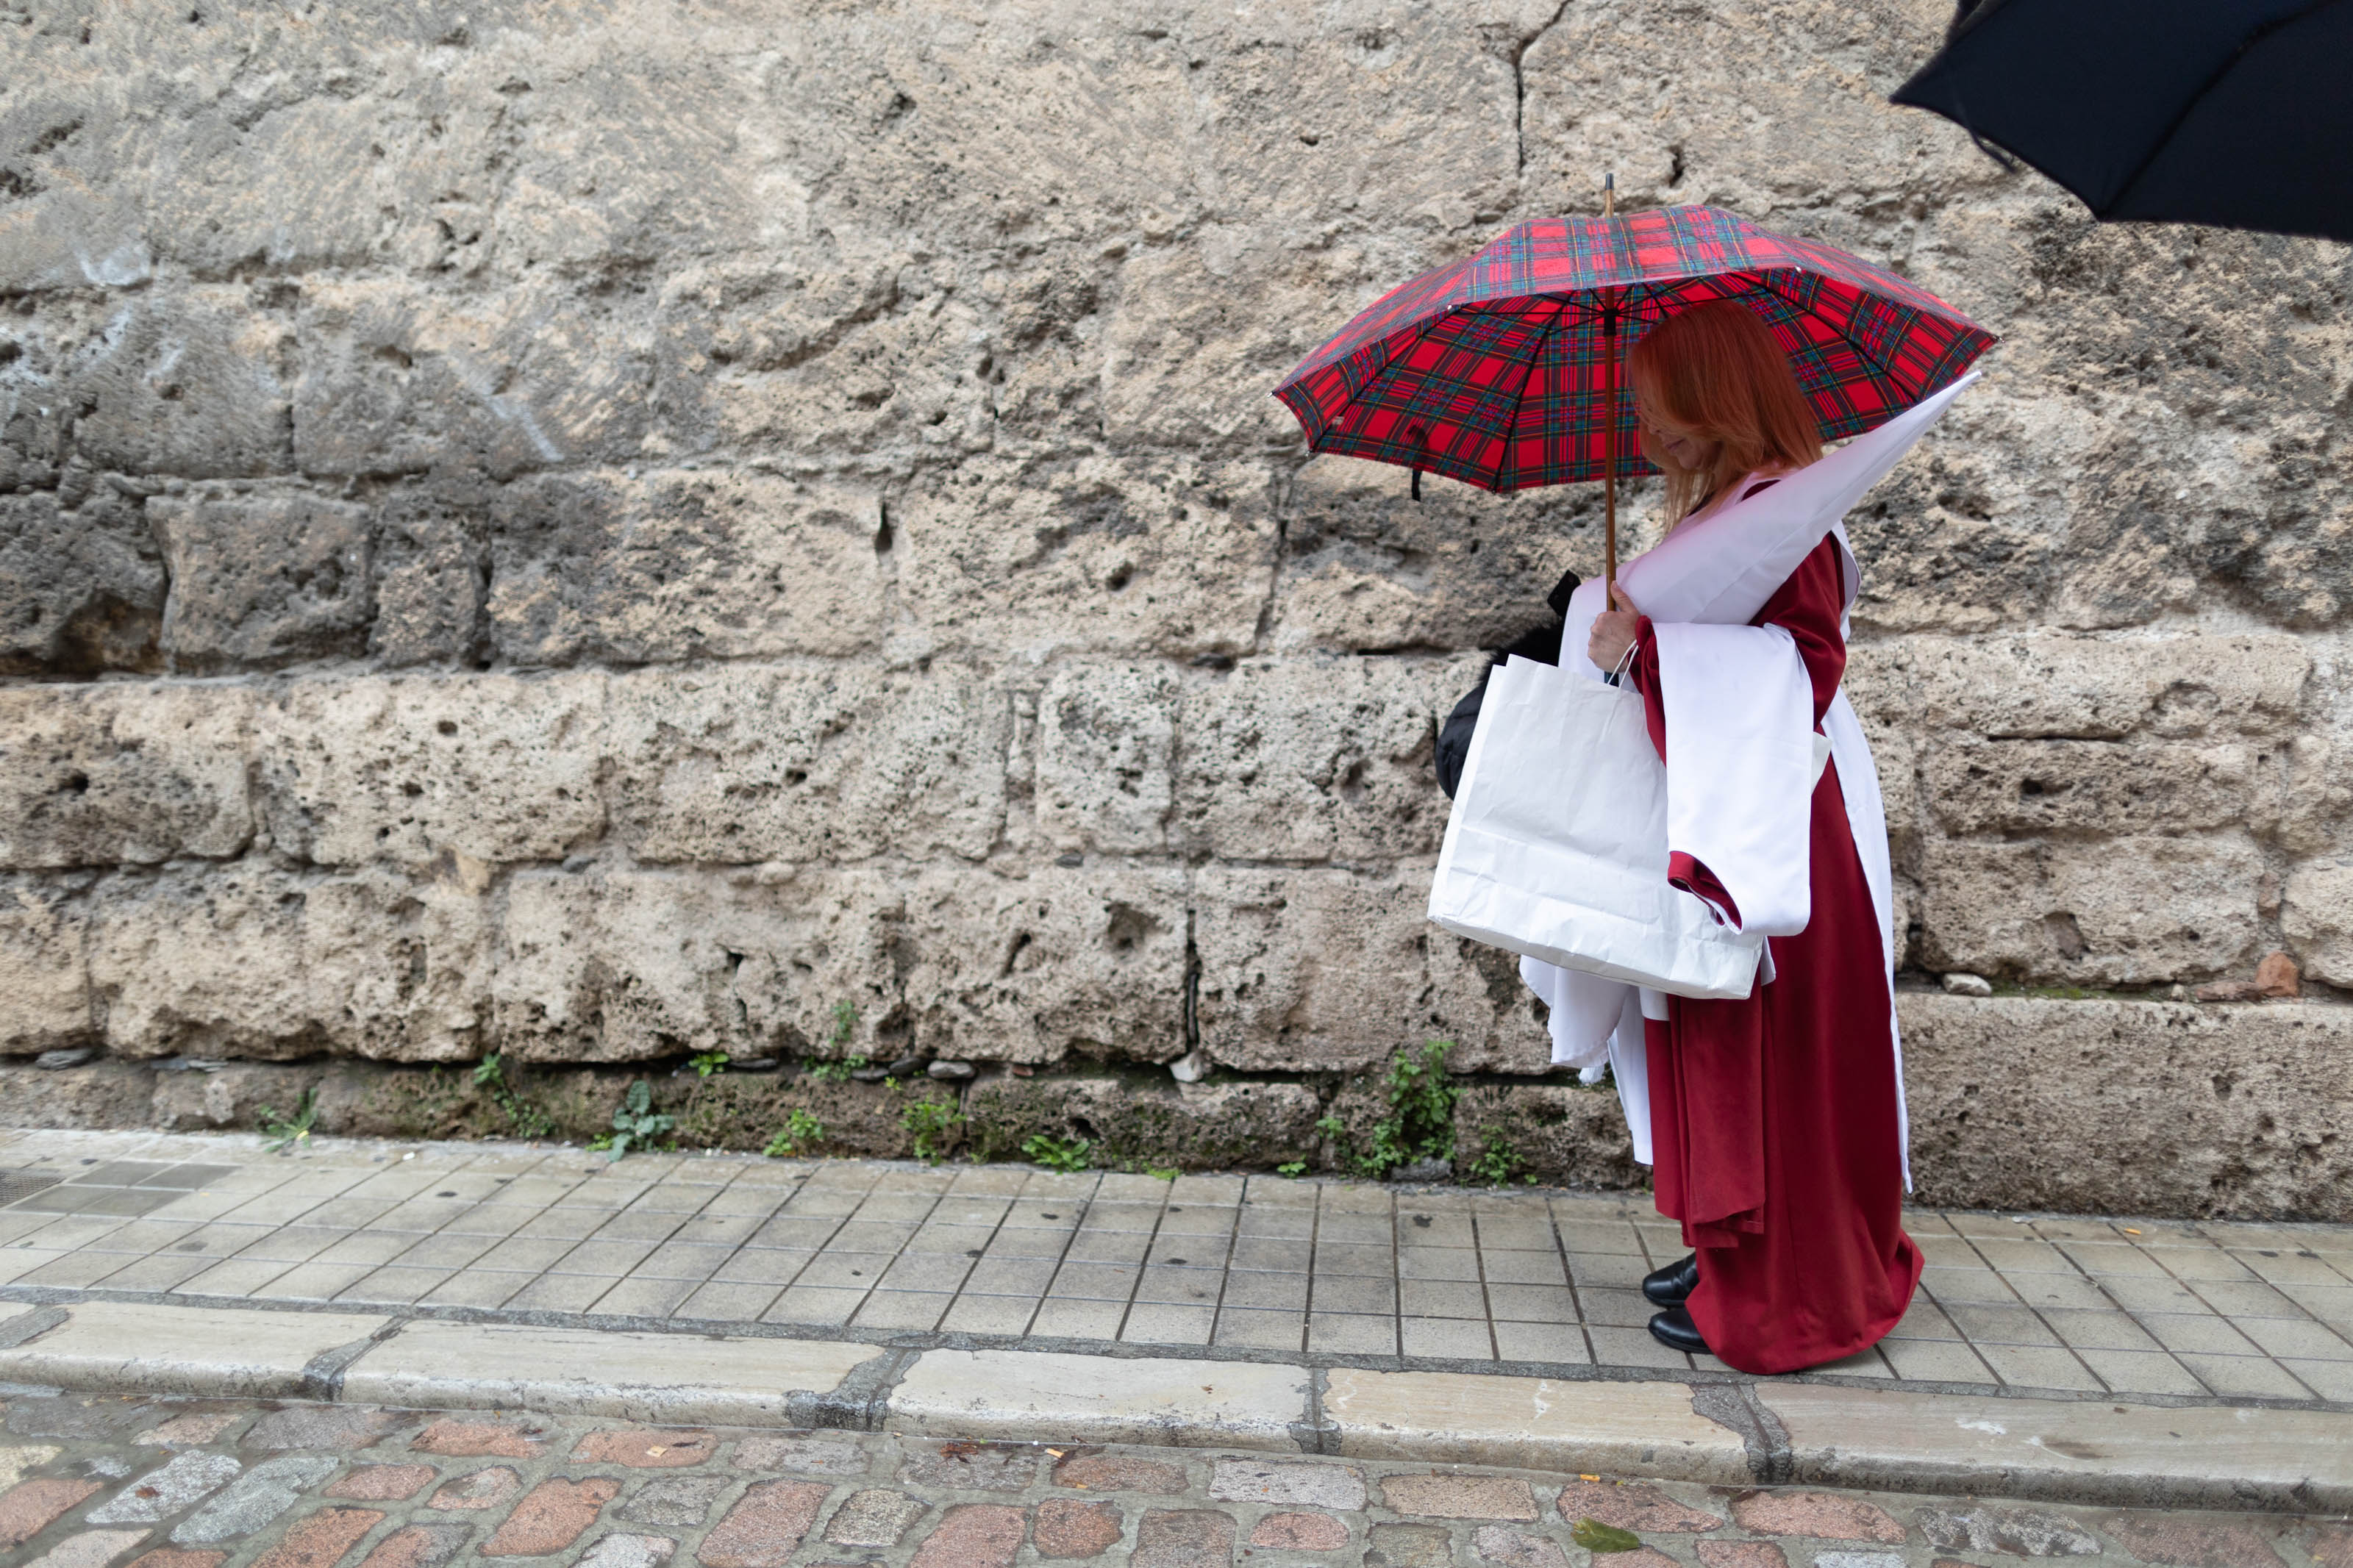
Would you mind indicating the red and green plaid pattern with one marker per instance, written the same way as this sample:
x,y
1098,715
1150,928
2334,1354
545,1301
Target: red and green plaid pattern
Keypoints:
x,y
1492,370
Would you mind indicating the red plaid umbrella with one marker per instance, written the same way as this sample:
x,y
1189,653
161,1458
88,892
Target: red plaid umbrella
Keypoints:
x,y
1501,370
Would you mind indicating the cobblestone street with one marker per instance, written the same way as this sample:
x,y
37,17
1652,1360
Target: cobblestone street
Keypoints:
x,y
96,1480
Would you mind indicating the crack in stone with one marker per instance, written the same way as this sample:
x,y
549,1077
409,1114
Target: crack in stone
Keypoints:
x,y
1520,85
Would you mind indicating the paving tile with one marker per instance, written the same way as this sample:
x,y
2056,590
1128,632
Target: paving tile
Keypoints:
x,y
393,1284
324,1427
1349,1334
1516,1268
1638,1506
1934,1361
254,1499
971,1314
1097,1282
2329,1379
1987,1325
904,1310
2204,1335
807,1453
1562,1343
1822,1516
926,1271
90,1549
1417,1546
2038,1366
629,1551
1455,1339
2298,1337
2233,1376
1164,1323
1245,1328
1065,1317
638,1297
560,1293
458,1437
845,1270
814,1304
1608,1308
2193,1542
1956,1288
2141,1371
678,1502
776,1266
1442,1298
1633,1347
2107,1330
1180,1287
1353,1293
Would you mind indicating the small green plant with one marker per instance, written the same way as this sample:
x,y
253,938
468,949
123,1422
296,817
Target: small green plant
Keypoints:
x,y
284,1133
845,1021
1291,1168
1421,1123
1499,1161
1057,1153
637,1123
836,1072
1165,1173
1595,1536
801,1133
709,1062
527,1120
933,1123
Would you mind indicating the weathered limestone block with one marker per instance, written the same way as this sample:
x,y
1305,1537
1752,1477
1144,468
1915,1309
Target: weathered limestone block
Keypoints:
x,y
1368,569
2128,1107
1107,756
82,591
908,385
1165,557
481,769
2129,910
263,580
957,964
2317,913
1895,759
177,380
737,764
99,775
44,981
207,963
1569,1134
220,1096
2054,687
399,969
682,564
1085,961
1321,970
398,379
2099,786
1318,760
2316,814
244,961
1138,1121
431,566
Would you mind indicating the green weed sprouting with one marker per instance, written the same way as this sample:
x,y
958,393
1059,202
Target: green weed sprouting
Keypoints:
x,y
706,1063
1500,1159
1057,1153
283,1132
637,1124
527,1120
1421,1123
934,1124
801,1133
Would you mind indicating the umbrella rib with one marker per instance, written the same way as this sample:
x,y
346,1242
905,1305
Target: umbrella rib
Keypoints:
x,y
1764,281
2157,147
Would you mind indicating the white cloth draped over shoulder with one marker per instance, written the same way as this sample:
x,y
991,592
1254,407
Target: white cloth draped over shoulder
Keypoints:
x,y
1741,755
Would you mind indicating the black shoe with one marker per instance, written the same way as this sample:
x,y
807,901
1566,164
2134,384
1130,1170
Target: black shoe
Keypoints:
x,y
1672,1286
1675,1329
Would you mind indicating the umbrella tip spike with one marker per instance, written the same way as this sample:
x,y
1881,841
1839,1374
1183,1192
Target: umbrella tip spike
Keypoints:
x,y
1609,194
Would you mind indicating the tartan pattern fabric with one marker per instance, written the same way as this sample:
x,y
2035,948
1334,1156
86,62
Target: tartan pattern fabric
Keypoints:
x,y
1493,370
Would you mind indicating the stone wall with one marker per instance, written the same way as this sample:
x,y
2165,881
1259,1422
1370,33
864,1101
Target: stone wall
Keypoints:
x,y
609,531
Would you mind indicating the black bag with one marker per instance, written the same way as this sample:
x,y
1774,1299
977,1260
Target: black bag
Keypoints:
x,y
1543,644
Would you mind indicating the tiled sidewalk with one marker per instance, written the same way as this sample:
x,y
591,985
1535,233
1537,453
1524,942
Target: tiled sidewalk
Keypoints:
x,y
1351,1273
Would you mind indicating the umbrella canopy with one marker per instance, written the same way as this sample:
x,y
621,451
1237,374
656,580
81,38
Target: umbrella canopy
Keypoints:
x,y
1500,370
2231,112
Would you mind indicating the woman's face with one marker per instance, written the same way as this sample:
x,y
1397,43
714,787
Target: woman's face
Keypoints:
x,y
1666,449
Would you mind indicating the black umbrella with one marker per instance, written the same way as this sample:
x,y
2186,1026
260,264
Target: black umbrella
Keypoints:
x,y
2237,113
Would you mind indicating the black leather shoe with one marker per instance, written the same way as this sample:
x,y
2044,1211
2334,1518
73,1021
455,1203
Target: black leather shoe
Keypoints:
x,y
1672,1286
1675,1329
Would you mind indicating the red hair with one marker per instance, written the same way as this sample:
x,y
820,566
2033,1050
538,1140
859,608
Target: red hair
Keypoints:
x,y
1716,374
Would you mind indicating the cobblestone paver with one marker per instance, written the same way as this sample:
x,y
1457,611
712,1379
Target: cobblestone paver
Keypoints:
x,y
1347,1273
103,1480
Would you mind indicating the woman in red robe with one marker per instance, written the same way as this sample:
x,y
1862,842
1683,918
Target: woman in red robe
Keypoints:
x,y
1775,1121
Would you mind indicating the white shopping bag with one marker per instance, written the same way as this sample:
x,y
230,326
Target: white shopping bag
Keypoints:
x,y
1557,845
